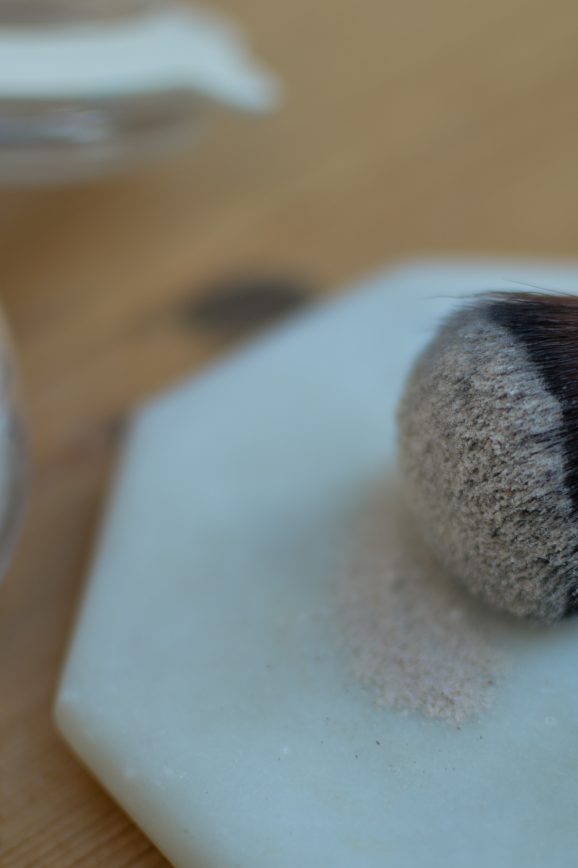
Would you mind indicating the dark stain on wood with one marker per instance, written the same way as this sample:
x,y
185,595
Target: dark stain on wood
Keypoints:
x,y
242,303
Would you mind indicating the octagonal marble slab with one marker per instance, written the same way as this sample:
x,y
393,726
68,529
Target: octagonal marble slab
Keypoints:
x,y
207,686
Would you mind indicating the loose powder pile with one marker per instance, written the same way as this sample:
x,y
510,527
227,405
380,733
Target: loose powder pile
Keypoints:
x,y
418,641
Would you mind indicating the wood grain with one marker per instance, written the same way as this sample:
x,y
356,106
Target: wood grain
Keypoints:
x,y
408,128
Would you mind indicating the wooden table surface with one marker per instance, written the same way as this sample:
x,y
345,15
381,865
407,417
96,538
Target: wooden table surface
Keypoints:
x,y
408,127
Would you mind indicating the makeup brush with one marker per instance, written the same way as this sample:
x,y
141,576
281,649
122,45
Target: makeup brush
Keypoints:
x,y
488,448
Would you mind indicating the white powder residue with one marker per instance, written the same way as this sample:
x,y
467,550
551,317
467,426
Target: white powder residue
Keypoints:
x,y
418,641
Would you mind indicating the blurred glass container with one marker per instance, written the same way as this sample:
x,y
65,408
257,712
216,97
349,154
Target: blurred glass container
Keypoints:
x,y
88,87
13,452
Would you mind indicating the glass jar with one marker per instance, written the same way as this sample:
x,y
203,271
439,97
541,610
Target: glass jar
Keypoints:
x,y
91,86
13,452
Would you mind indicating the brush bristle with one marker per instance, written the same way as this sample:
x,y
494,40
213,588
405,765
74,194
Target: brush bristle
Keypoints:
x,y
488,431
547,326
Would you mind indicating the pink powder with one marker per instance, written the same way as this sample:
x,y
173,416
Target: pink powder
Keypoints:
x,y
418,642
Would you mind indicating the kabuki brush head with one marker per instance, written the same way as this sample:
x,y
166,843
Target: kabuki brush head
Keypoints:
x,y
488,446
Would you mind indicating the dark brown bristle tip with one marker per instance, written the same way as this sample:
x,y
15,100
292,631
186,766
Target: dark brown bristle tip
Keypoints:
x,y
547,326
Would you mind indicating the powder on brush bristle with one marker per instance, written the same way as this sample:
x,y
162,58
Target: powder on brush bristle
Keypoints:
x,y
488,432
488,447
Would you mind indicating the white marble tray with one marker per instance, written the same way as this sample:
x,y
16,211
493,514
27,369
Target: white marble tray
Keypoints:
x,y
207,687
